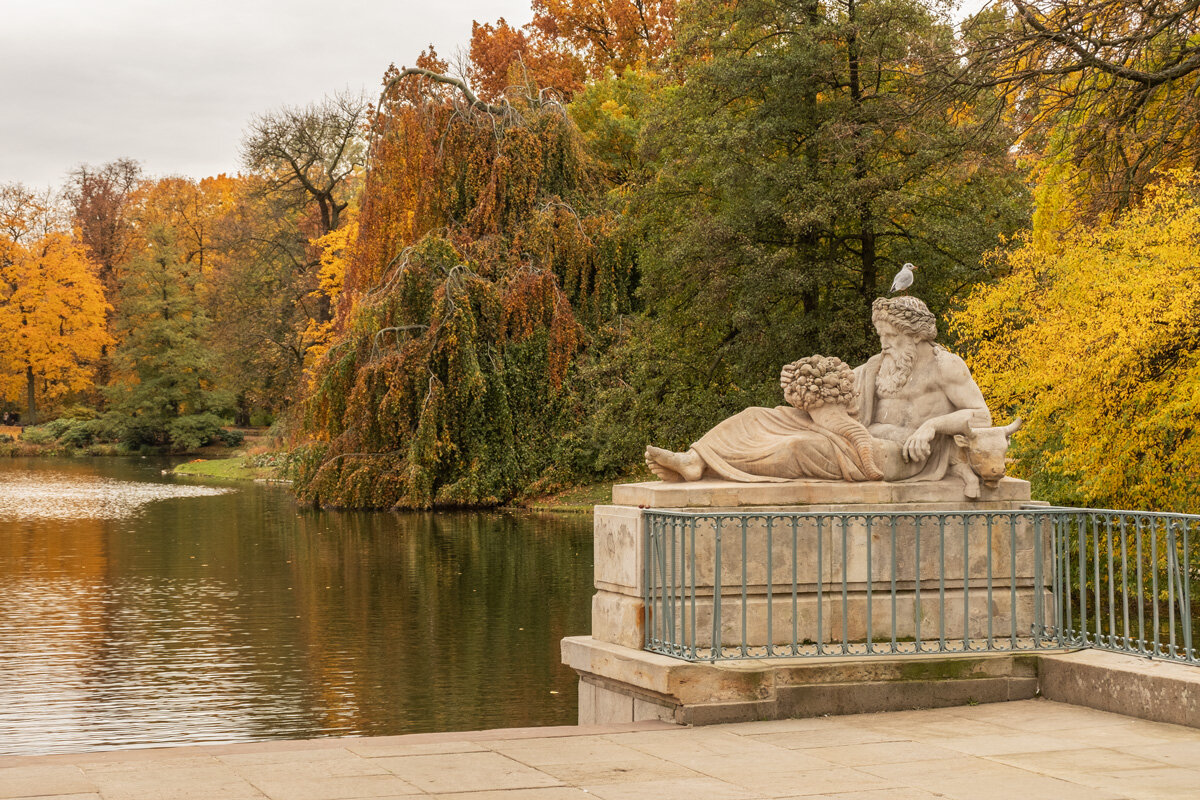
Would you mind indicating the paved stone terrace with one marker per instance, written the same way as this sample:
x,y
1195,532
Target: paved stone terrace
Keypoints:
x,y
1026,750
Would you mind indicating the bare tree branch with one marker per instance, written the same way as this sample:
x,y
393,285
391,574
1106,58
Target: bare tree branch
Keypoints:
x,y
471,98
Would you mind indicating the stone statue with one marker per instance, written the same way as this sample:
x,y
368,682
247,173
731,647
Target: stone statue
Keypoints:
x,y
893,418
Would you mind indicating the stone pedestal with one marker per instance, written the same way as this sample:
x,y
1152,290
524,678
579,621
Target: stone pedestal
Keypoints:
x,y
806,581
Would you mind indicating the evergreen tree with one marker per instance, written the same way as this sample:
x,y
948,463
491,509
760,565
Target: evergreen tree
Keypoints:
x,y
163,391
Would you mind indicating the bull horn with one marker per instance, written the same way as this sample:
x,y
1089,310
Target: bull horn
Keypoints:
x,y
1013,426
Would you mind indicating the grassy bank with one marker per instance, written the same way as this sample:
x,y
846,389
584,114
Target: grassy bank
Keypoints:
x,y
238,468
72,438
580,499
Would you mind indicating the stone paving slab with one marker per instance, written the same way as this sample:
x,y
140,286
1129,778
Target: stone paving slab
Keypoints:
x,y
1028,749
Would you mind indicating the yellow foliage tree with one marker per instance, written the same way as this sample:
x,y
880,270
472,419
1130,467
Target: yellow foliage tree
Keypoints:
x,y
334,248
52,320
1092,337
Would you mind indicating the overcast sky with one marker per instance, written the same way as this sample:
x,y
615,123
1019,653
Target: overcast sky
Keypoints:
x,y
172,83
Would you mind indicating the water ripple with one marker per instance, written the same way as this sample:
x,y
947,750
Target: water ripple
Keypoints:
x,y
63,497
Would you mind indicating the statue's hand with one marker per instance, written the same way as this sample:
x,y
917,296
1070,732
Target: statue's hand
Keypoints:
x,y
918,446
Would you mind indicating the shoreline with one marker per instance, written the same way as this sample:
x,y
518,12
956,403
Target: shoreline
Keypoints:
x,y
223,465
575,500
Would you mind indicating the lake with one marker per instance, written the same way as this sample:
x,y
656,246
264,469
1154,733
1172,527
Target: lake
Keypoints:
x,y
140,609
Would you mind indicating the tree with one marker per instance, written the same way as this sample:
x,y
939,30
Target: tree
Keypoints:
x,y
163,391
569,40
191,209
501,55
609,34
102,200
262,294
1091,337
1105,90
484,258
26,215
310,154
52,307
305,165
807,154
610,114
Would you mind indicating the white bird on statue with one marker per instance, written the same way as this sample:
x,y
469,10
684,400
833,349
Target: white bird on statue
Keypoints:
x,y
904,279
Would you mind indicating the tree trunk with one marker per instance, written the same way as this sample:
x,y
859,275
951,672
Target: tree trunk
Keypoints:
x,y
870,271
866,219
30,397
241,414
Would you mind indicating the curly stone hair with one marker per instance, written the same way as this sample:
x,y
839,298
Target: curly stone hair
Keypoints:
x,y
908,314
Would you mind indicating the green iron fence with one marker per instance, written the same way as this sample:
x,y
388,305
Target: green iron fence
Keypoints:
x,y
737,585
1130,581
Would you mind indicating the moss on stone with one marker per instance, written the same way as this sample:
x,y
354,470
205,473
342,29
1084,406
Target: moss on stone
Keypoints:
x,y
941,670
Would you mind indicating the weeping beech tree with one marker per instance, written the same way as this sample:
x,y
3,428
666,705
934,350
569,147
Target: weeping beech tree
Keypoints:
x,y
484,266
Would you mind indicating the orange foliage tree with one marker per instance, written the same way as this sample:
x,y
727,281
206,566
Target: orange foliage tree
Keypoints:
x,y
485,260
502,55
52,306
569,41
608,33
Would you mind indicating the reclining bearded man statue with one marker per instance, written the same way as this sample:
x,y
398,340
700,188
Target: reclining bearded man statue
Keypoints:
x,y
909,401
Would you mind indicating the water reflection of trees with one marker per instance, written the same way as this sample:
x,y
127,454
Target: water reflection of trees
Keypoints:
x,y
268,621
457,616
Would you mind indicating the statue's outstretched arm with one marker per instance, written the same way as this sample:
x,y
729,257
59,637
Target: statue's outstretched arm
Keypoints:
x,y
971,410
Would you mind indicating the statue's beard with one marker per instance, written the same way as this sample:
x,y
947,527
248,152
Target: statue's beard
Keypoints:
x,y
896,369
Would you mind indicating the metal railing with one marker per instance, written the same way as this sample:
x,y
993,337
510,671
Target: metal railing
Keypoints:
x,y
1130,581
737,585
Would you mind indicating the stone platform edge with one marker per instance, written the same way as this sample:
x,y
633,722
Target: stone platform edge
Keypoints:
x,y
619,684
1136,686
401,743
833,494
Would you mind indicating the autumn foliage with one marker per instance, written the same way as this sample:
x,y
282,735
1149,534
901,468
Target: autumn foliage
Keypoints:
x,y
483,258
52,318
569,42
1092,339
612,224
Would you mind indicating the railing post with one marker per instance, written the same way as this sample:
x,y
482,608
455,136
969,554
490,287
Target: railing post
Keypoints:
x,y
649,521
717,585
692,576
919,645
770,522
893,577
1183,582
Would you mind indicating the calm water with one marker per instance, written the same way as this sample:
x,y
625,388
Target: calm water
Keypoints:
x,y
137,609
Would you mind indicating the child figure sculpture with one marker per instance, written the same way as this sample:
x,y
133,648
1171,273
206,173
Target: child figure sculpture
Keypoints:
x,y
824,387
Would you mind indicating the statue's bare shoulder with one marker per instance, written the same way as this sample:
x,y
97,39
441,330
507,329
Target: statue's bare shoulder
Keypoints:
x,y
951,366
958,384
